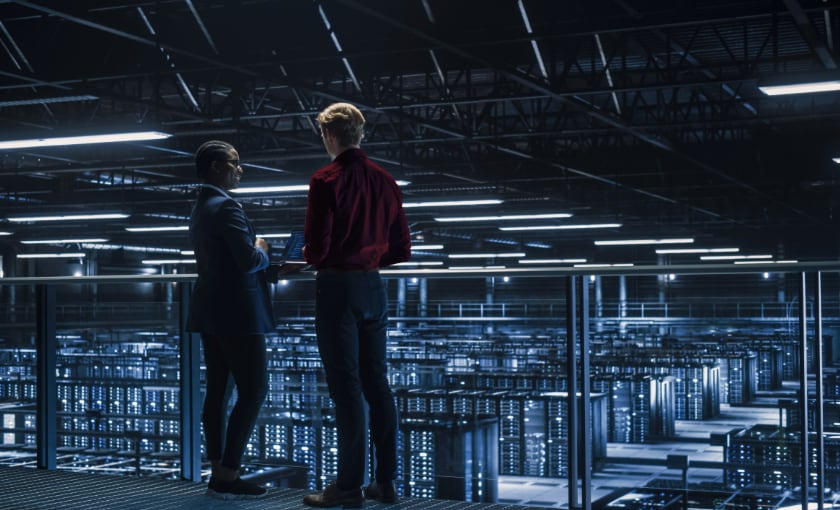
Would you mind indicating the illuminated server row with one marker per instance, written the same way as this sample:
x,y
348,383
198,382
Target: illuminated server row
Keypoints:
x,y
739,377
767,455
696,384
437,458
533,426
638,407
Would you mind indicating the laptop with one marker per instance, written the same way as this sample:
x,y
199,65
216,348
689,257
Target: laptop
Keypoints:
x,y
290,258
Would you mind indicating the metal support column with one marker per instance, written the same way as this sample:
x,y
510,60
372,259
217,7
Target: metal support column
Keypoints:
x,y
586,411
571,377
46,421
190,392
803,386
818,378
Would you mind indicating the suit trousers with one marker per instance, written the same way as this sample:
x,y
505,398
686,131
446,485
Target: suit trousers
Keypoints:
x,y
351,315
238,361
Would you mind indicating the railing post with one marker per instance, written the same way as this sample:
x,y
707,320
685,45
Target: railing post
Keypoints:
x,y
586,464
190,393
803,387
46,424
818,378
571,386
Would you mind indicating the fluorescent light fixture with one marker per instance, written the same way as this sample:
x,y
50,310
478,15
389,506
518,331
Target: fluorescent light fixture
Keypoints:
x,y
513,217
452,203
158,229
271,189
5,233
50,255
735,257
485,255
128,247
801,88
282,235
426,247
168,261
562,227
697,250
188,253
604,265
67,217
634,242
836,160
65,241
552,261
81,140
281,189
415,264
765,261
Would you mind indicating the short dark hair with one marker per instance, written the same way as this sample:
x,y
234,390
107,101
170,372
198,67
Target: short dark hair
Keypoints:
x,y
344,121
209,152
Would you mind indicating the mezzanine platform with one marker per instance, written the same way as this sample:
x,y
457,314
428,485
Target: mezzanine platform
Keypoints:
x,y
37,489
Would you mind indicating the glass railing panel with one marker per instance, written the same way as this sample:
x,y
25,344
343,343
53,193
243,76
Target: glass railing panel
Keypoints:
x,y
701,372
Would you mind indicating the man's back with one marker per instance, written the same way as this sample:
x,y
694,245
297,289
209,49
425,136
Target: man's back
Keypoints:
x,y
356,220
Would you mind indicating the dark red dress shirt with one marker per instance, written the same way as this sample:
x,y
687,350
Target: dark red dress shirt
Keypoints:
x,y
354,216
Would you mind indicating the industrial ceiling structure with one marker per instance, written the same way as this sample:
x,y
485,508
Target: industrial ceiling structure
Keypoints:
x,y
641,119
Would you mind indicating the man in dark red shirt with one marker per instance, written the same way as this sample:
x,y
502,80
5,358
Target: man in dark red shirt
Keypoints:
x,y
355,224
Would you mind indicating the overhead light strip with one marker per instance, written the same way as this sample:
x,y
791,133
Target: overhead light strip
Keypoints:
x,y
67,217
552,261
635,242
50,255
452,203
512,217
485,255
281,189
735,257
765,262
561,227
128,247
168,261
696,250
271,189
65,241
82,140
604,265
801,88
281,235
158,229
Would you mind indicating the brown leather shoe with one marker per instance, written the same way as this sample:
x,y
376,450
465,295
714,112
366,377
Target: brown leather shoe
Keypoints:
x,y
333,496
383,492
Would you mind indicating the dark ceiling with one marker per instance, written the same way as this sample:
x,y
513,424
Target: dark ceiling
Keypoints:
x,y
642,113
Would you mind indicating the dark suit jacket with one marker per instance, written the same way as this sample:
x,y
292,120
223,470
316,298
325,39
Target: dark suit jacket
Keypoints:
x,y
231,295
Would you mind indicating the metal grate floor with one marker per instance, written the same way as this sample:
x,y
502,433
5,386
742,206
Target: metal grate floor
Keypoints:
x,y
37,489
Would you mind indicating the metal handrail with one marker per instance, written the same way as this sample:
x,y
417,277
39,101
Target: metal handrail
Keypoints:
x,y
709,269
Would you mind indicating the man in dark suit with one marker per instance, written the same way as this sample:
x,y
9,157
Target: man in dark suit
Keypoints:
x,y
231,308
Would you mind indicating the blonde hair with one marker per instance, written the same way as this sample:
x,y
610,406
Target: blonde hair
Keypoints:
x,y
344,121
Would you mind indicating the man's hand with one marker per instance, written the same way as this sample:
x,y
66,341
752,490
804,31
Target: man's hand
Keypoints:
x,y
261,244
